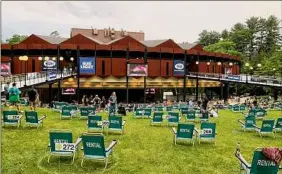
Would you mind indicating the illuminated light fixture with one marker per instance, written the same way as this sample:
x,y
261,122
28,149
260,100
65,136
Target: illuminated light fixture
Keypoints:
x,y
247,64
71,59
197,62
230,64
259,65
54,58
40,58
61,58
218,63
46,58
208,63
21,58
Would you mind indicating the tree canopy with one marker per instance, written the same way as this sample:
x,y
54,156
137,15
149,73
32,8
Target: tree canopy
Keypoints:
x,y
15,39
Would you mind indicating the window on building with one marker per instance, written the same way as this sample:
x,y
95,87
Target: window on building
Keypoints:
x,y
103,67
167,69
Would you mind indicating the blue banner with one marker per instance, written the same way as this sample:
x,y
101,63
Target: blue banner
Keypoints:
x,y
233,77
52,75
178,67
87,65
49,64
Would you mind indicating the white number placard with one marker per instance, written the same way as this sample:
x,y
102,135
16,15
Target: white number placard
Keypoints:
x,y
207,131
65,147
13,117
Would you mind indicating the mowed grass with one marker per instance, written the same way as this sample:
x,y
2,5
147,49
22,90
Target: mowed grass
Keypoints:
x,y
142,149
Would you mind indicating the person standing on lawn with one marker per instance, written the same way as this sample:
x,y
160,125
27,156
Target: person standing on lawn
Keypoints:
x,y
205,102
6,91
113,103
14,95
32,97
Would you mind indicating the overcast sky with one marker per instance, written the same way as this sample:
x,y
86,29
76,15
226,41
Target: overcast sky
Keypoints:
x,y
180,21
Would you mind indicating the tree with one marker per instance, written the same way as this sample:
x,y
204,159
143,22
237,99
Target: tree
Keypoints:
x,y
223,46
225,34
55,34
15,39
207,38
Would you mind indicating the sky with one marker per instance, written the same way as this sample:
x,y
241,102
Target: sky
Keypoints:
x,y
181,21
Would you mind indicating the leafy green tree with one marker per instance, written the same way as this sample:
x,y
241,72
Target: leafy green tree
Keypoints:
x,y
55,34
223,46
15,39
207,38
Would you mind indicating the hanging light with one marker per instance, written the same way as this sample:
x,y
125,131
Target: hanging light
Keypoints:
x,y
54,58
218,63
24,58
40,58
208,63
71,59
46,58
61,58
21,58
230,64
197,62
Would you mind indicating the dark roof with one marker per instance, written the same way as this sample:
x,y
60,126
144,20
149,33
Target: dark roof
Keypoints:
x,y
52,39
153,43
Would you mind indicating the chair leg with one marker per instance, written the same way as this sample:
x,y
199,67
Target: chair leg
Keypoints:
x,y
106,161
73,158
49,158
82,162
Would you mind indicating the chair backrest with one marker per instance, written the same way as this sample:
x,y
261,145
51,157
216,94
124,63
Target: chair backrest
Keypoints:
x,y
278,123
58,105
139,112
252,112
191,114
236,108
250,121
158,117
267,126
31,116
159,108
185,130
94,121
169,108
173,117
208,130
93,145
84,111
73,107
262,165
10,116
66,111
147,112
242,107
23,101
115,122
184,110
260,112
230,106
91,110
59,136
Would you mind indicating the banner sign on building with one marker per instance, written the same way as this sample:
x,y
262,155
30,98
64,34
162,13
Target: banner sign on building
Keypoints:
x,y
87,65
140,70
178,67
68,91
232,77
52,75
49,65
5,68
228,71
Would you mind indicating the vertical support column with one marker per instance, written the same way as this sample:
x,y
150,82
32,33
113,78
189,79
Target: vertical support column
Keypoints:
x,y
221,90
78,72
161,90
184,78
50,94
226,92
145,78
127,60
12,59
197,80
275,94
59,72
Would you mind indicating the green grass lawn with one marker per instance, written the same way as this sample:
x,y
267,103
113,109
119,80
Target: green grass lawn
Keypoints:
x,y
142,149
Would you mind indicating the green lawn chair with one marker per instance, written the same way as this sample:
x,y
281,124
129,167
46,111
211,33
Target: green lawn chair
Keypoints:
x,y
116,124
31,119
159,108
12,118
57,139
86,111
204,117
74,109
266,128
278,125
260,113
66,112
184,132
260,164
207,132
169,108
139,113
157,118
94,148
249,123
242,107
184,112
147,112
173,118
94,124
23,102
57,106
230,107
235,108
191,115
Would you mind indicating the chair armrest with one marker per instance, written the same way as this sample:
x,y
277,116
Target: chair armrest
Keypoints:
x,y
174,130
43,117
113,143
256,126
240,121
123,122
242,160
20,117
77,142
196,130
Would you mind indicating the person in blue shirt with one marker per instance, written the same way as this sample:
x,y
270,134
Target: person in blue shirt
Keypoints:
x,y
14,95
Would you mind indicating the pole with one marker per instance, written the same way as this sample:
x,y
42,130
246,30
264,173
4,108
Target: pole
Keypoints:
x,y
145,78
127,60
50,94
184,79
197,80
78,71
25,72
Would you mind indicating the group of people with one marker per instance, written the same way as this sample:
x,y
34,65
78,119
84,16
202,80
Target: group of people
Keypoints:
x,y
100,103
12,94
